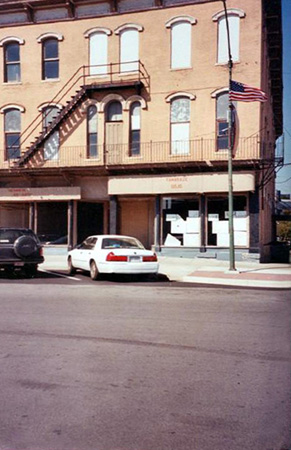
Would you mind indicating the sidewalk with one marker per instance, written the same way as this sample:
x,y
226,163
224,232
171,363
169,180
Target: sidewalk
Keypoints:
x,y
211,271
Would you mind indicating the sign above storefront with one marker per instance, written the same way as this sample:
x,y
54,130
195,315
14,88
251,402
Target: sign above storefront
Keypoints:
x,y
198,183
20,194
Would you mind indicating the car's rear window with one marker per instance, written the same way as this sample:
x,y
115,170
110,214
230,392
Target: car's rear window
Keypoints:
x,y
121,243
10,236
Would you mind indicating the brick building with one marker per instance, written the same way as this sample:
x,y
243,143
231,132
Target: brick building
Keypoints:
x,y
114,119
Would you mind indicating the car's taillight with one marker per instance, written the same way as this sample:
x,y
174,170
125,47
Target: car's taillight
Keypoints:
x,y
151,258
112,257
41,251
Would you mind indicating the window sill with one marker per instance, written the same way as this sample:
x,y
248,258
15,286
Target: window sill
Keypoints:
x,y
224,64
179,69
51,80
11,83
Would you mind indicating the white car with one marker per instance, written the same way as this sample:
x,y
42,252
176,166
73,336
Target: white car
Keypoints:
x,y
112,254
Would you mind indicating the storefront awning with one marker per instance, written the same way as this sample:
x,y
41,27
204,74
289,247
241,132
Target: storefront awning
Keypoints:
x,y
180,184
24,194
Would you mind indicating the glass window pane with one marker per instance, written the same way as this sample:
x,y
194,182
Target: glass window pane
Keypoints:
x,y
222,106
12,120
12,52
114,112
180,110
49,114
13,145
50,49
51,69
13,72
92,119
234,39
93,151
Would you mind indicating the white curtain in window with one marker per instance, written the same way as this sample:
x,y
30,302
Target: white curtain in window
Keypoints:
x,y
98,53
181,45
234,22
129,51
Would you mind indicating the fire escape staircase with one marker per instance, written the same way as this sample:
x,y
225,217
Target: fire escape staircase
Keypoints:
x,y
137,80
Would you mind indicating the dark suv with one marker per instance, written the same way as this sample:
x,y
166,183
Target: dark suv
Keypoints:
x,y
20,248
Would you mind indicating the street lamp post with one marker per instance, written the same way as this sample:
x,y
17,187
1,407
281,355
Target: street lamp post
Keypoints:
x,y
230,147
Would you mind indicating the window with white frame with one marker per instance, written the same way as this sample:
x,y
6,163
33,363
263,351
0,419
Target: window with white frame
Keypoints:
x,y
12,130
98,51
180,125
50,59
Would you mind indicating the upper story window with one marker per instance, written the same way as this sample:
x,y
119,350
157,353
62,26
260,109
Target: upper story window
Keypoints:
x,y
49,113
180,125
11,54
50,59
234,16
11,62
92,132
52,143
114,112
12,131
181,41
98,50
222,107
129,47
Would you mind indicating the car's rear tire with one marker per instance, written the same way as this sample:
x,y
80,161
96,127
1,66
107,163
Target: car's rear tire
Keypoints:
x,y
71,268
30,270
94,273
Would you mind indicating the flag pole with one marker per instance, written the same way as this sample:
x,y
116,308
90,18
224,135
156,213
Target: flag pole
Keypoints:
x,y
230,145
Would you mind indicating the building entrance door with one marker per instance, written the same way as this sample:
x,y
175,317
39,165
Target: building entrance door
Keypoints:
x,y
113,132
90,220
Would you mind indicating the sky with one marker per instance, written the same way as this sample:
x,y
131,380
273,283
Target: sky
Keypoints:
x,y
283,180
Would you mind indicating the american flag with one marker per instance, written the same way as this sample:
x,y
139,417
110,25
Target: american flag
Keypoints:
x,y
244,93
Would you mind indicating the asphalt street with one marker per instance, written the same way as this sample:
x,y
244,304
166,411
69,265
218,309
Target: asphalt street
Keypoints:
x,y
142,366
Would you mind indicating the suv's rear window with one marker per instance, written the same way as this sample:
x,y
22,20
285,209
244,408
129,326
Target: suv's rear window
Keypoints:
x,y
10,236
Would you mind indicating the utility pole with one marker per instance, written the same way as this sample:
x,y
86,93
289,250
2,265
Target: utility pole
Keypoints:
x,y
230,147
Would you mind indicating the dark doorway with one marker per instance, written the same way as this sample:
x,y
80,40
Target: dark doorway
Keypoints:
x,y
52,222
90,219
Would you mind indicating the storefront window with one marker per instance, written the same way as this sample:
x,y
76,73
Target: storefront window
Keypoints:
x,y
217,223
181,222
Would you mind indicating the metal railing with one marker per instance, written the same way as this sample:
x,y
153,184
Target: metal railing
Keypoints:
x,y
198,151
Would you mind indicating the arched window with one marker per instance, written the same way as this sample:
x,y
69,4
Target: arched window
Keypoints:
x,y
50,58
12,130
181,37
134,132
52,143
114,112
180,125
92,132
129,50
12,62
98,53
234,15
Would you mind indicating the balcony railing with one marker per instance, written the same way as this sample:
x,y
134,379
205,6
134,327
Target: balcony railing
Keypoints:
x,y
145,153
